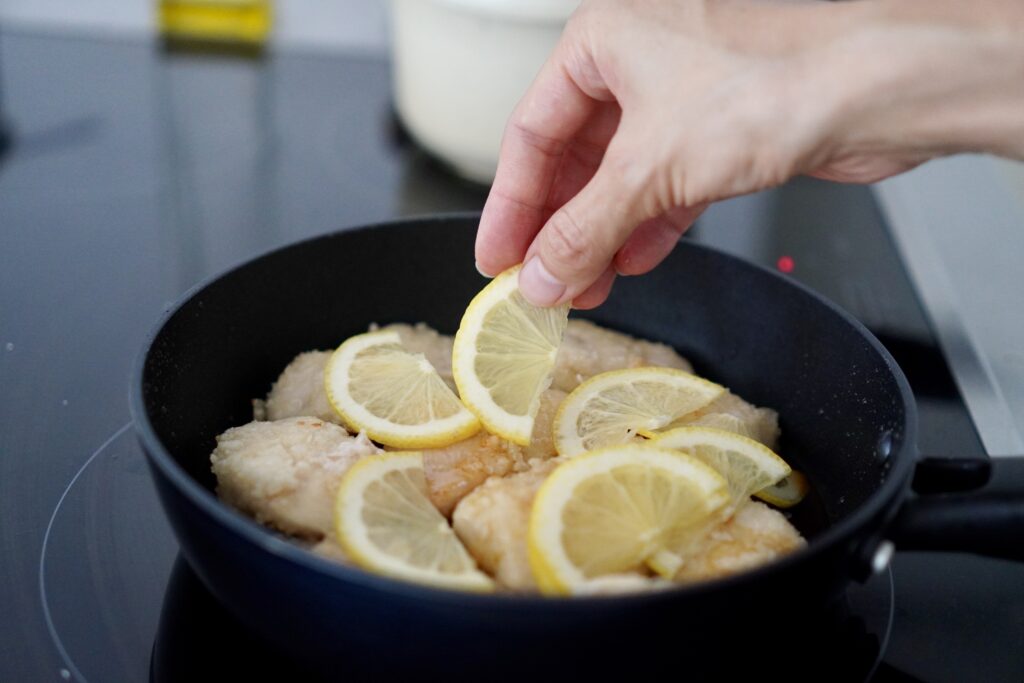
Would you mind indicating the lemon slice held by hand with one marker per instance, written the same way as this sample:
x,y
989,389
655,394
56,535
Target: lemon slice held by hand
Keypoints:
x,y
387,524
503,356
396,397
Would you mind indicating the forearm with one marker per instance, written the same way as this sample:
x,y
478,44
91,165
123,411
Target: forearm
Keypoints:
x,y
710,99
930,78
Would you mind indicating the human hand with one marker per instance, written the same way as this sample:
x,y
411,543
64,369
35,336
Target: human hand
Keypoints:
x,y
649,110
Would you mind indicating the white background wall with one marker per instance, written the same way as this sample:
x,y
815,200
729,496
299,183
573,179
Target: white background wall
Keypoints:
x,y
351,25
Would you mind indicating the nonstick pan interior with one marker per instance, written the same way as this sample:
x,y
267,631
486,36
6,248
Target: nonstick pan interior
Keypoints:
x,y
843,405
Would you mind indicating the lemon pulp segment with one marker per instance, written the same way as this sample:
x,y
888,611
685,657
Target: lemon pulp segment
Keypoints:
x,y
386,522
396,397
749,466
617,510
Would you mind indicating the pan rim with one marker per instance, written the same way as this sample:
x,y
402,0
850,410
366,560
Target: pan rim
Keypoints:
x,y
884,500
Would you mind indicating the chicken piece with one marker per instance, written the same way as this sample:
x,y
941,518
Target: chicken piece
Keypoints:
x,y
542,440
453,471
589,350
286,473
330,549
754,536
493,520
732,413
299,391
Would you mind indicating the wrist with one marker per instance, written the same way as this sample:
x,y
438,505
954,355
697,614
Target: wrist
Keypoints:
x,y
925,79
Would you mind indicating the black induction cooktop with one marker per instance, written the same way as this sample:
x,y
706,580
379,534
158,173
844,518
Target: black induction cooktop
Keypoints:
x,y
132,174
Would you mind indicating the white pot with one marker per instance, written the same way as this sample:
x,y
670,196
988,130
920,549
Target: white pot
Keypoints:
x,y
460,66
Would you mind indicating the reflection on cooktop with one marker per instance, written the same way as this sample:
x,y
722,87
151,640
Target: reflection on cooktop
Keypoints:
x,y
119,611
106,558
198,640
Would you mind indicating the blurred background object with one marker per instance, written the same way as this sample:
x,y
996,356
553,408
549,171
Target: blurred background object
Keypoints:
x,y
322,25
215,21
5,133
460,66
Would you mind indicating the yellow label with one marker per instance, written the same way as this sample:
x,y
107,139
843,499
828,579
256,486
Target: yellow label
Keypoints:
x,y
218,20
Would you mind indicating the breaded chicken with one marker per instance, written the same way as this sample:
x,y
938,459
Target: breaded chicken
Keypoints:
x,y
299,390
329,548
542,440
453,471
755,535
589,350
493,520
732,413
286,473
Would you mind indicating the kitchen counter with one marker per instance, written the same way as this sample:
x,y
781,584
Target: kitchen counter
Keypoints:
x,y
959,224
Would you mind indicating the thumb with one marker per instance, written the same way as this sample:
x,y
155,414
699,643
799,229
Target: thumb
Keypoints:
x,y
577,244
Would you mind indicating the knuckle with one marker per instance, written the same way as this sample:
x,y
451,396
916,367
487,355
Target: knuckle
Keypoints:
x,y
698,176
567,242
634,178
522,126
703,185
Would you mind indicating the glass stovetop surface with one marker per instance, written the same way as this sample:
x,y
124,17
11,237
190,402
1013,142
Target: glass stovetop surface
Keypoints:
x,y
134,174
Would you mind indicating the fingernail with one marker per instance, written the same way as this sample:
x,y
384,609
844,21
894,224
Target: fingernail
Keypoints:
x,y
538,285
483,272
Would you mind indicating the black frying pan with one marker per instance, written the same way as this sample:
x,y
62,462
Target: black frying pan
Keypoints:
x,y
847,416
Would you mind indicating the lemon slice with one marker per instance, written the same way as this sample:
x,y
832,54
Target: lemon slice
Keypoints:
x,y
503,356
616,510
787,492
747,465
611,408
387,524
723,421
396,397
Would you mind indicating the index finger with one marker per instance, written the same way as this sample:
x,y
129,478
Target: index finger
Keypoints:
x,y
546,119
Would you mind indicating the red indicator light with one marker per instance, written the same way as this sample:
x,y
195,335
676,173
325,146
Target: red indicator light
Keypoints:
x,y
785,264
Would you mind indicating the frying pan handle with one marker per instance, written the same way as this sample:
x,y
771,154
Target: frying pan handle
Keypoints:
x,y
971,505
